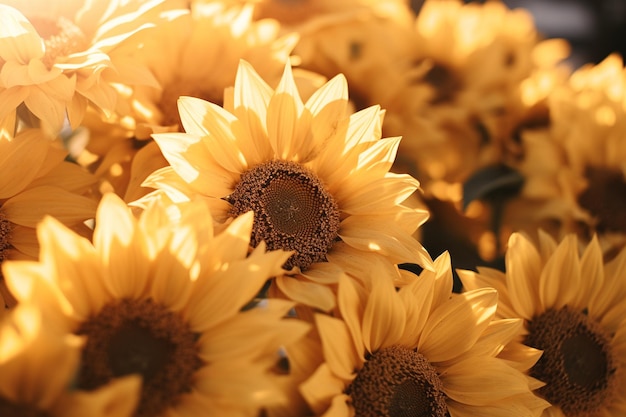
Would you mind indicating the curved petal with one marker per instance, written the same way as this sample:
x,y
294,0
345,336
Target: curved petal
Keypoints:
x,y
455,326
19,41
339,353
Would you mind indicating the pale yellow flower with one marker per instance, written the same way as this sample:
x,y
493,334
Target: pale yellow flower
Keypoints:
x,y
38,362
420,350
573,167
163,296
459,98
572,304
56,58
316,177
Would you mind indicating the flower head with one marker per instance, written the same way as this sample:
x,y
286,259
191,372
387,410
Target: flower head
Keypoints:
x,y
163,297
38,361
58,58
316,177
573,310
419,349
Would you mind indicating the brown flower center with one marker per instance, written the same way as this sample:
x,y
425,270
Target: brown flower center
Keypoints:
x,y
61,38
140,337
292,210
6,227
577,364
605,198
445,82
398,382
11,409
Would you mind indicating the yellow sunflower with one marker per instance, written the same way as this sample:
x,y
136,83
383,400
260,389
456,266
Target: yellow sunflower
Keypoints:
x,y
316,177
454,103
573,167
572,304
35,181
162,296
58,57
38,362
419,350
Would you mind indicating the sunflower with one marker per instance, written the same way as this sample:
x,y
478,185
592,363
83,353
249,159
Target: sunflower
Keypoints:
x,y
46,185
58,57
419,350
572,305
362,39
455,100
38,361
162,296
316,177
573,167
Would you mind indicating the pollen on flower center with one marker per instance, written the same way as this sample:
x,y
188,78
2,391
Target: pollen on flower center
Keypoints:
x,y
11,409
292,210
61,38
398,382
6,227
605,198
577,364
140,337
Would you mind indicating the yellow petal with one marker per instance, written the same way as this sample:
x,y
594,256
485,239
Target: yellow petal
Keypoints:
x,y
483,381
118,398
322,388
121,248
251,99
560,278
284,128
19,41
339,352
523,268
352,307
384,317
31,146
30,206
454,326
306,292
416,298
375,196
75,267
193,162
375,234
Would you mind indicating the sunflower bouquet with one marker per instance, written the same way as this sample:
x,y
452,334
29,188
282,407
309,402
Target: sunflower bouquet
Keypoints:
x,y
302,209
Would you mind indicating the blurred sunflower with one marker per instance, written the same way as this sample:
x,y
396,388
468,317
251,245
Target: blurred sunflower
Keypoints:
x,y
46,185
362,39
163,298
573,310
316,177
454,102
573,166
419,350
56,58
38,362
589,119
